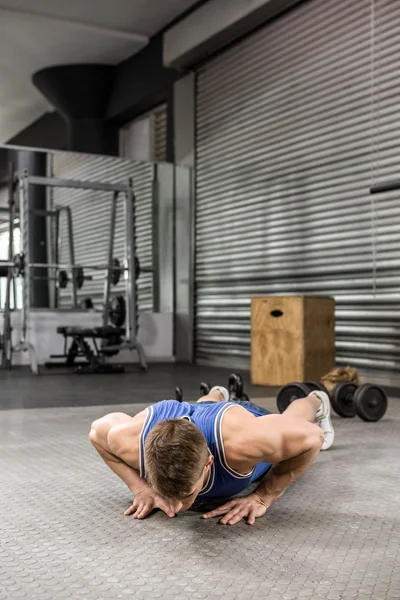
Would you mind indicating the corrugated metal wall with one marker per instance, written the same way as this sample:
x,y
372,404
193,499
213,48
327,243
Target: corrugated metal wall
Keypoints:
x,y
91,219
290,135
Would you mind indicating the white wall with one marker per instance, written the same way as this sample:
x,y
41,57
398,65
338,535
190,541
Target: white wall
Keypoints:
x,y
155,334
4,196
184,120
136,140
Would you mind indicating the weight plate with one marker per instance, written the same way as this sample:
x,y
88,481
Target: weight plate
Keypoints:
x,y
316,386
62,279
115,273
342,399
79,277
19,265
116,270
370,402
178,394
289,393
137,267
117,311
87,304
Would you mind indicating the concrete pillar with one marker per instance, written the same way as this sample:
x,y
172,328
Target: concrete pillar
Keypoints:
x,y
184,151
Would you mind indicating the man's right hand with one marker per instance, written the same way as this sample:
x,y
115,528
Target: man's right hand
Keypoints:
x,y
146,500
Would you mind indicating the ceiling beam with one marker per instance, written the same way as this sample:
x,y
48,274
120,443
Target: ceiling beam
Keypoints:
x,y
120,34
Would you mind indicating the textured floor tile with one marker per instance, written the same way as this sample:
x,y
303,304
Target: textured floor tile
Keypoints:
x,y
333,535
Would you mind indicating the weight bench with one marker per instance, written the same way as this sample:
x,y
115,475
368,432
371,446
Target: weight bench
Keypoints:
x,y
95,356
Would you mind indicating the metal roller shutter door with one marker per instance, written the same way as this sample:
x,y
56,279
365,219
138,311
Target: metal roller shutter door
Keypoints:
x,y
91,219
290,135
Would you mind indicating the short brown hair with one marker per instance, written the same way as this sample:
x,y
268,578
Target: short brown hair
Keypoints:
x,y
175,455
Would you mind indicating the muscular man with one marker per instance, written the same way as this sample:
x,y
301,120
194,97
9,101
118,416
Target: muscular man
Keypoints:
x,y
173,453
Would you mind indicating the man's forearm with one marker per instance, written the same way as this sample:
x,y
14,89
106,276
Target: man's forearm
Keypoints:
x,y
129,475
282,475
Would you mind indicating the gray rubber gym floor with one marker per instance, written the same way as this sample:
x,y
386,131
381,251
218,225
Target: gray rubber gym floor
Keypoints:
x,y
334,534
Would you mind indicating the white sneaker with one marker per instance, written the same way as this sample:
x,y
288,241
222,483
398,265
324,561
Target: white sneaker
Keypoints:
x,y
323,419
223,391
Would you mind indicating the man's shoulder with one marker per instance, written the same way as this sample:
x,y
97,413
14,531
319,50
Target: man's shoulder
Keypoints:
x,y
124,438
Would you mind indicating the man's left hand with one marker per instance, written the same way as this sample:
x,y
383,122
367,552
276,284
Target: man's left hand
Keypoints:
x,y
249,507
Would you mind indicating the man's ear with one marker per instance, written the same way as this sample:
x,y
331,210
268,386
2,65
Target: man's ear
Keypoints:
x,y
209,461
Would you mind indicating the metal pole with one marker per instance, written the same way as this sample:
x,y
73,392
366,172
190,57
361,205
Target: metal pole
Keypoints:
x,y
23,189
71,253
14,293
57,256
113,220
7,333
130,275
24,230
76,184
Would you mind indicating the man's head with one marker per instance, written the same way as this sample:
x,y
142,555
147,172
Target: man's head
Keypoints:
x,y
177,460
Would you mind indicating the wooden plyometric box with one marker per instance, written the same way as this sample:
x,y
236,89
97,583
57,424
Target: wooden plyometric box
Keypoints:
x,y
292,338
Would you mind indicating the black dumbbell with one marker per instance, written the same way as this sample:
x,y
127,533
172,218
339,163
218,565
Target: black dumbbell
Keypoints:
x,y
316,386
368,401
205,389
179,394
288,393
235,387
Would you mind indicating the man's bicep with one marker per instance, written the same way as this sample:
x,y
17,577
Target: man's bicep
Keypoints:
x,y
275,438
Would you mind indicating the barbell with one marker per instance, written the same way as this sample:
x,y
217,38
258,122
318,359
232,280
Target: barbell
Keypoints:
x,y
63,278
115,270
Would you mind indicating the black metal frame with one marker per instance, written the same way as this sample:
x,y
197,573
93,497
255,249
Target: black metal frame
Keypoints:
x,y
79,348
389,186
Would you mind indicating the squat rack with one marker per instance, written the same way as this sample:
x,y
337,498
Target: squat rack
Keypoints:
x,y
129,268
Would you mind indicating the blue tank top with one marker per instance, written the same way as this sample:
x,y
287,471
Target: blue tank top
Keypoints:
x,y
223,481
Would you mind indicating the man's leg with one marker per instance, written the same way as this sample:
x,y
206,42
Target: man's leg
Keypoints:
x,y
316,408
217,394
304,408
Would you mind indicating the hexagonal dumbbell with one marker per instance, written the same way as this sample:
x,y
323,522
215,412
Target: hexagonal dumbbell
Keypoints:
x,y
235,388
179,394
205,389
